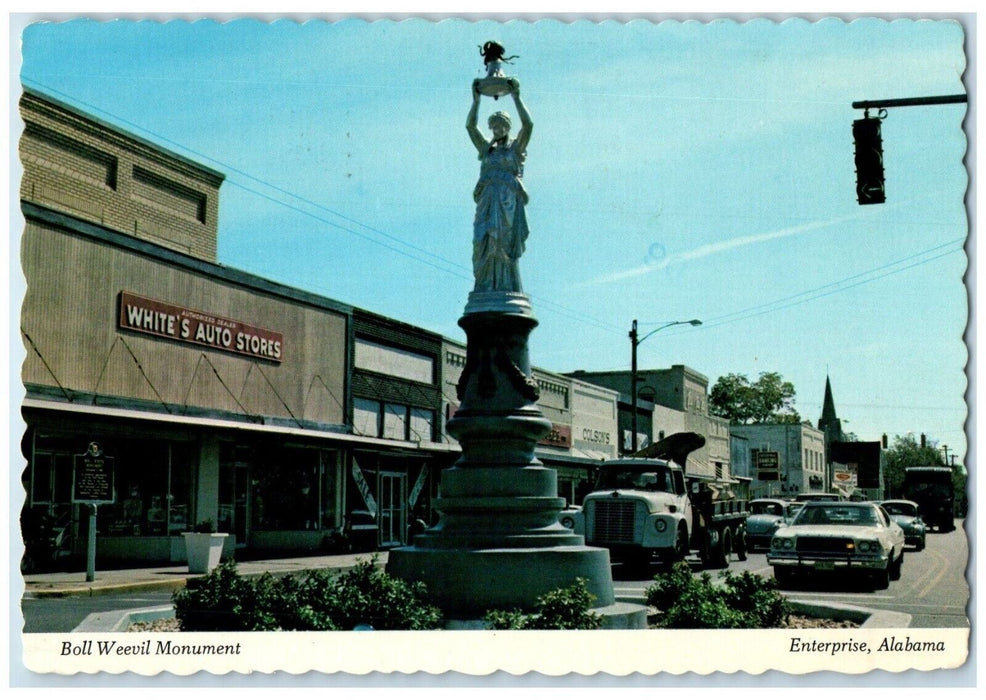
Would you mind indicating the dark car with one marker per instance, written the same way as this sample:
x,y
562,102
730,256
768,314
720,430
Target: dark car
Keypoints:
x,y
905,514
766,515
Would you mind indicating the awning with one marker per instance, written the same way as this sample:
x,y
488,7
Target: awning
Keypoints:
x,y
225,424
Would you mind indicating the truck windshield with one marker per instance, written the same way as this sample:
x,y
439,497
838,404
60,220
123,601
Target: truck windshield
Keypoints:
x,y
638,479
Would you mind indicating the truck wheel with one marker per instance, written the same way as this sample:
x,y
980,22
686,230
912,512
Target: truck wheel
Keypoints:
x,y
720,558
681,543
741,544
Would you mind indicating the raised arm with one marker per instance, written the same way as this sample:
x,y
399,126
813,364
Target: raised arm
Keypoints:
x,y
475,135
526,124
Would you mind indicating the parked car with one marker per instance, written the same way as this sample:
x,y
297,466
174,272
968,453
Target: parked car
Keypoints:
x,y
907,515
840,537
766,515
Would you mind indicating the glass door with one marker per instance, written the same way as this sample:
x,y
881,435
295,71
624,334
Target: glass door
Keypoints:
x,y
392,497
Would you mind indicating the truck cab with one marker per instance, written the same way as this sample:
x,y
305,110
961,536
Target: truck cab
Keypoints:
x,y
640,508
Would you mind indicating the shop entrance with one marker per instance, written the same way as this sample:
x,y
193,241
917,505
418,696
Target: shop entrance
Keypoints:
x,y
392,492
234,493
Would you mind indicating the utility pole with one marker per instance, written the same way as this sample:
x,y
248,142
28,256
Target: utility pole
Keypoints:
x,y
634,342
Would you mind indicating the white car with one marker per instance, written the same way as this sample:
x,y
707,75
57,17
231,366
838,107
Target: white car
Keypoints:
x,y
840,537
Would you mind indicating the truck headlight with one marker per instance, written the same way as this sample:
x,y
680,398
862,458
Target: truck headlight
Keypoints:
x,y
569,522
660,525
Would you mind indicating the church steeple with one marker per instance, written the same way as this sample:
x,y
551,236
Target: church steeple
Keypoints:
x,y
829,423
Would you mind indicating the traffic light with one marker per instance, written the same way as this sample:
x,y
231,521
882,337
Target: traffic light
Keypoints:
x,y
869,161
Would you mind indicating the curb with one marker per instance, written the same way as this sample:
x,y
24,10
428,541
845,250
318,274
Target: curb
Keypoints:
x,y
92,591
866,617
120,620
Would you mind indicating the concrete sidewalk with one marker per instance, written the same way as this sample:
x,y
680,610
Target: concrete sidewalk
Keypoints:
x,y
173,576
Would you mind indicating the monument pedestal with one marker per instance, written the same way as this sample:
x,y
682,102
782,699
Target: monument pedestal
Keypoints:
x,y
499,544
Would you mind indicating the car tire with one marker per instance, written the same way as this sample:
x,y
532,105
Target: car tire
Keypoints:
x,y
881,579
920,544
895,568
784,577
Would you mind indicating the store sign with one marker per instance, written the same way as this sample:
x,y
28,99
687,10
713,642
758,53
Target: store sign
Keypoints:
x,y
560,436
93,478
768,466
364,488
846,475
157,318
419,485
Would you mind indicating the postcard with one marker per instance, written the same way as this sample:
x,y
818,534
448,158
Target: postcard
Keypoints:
x,y
579,346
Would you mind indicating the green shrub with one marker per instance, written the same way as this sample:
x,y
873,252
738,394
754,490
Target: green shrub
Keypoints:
x,y
223,601
747,601
364,595
560,609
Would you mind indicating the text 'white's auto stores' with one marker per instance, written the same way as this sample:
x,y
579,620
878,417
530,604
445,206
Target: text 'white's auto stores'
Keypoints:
x,y
280,416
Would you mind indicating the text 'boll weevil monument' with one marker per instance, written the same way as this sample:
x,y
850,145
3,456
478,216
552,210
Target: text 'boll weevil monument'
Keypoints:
x,y
498,544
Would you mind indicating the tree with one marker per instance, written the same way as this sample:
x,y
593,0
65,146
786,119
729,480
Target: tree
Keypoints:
x,y
906,452
768,400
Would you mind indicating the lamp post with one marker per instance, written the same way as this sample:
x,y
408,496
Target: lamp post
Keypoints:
x,y
634,342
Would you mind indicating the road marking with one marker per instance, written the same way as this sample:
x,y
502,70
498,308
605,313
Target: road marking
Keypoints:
x,y
843,595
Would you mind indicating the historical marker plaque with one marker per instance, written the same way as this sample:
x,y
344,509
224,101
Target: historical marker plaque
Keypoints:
x,y
93,478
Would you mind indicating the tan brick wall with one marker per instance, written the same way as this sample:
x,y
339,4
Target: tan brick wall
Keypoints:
x,y
70,316
89,170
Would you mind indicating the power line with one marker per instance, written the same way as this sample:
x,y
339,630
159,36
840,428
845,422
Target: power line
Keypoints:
x,y
457,270
833,287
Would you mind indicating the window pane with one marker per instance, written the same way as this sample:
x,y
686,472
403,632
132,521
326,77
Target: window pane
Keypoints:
x,y
366,417
395,422
422,424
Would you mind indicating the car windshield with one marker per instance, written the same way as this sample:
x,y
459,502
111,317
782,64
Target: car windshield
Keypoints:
x,y
648,478
835,514
900,509
766,508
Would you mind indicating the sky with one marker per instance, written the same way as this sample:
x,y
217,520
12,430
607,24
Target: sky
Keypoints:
x,y
677,170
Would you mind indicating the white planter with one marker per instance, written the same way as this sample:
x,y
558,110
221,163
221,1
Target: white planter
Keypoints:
x,y
203,550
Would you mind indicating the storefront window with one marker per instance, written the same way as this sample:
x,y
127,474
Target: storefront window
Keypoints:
x,y
154,492
294,489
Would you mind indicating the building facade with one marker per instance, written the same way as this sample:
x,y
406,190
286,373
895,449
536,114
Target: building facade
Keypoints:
x,y
215,395
669,401
785,459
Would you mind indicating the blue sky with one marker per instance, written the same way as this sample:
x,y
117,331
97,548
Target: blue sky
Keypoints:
x,y
677,170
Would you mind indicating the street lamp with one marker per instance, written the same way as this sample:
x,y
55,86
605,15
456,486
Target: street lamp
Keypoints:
x,y
634,342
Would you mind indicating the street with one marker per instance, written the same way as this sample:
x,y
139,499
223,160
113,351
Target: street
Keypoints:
x,y
65,614
932,589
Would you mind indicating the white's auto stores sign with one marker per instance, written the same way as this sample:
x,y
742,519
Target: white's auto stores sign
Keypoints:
x,y
157,318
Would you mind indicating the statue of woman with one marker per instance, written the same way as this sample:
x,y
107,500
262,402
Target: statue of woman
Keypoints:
x,y
500,227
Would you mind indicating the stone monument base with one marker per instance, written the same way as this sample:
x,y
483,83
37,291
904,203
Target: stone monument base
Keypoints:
x,y
469,582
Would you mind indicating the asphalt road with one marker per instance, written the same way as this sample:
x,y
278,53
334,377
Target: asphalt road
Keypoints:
x,y
932,588
65,614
